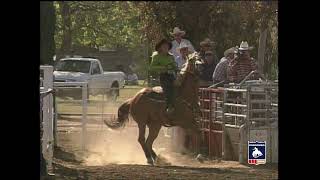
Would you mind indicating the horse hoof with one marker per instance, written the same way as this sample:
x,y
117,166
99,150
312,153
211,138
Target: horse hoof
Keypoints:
x,y
150,161
200,158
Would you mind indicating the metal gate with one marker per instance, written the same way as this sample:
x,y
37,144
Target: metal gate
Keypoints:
x,y
210,122
233,115
250,114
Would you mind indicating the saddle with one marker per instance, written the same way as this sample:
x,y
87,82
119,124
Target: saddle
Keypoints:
x,y
157,94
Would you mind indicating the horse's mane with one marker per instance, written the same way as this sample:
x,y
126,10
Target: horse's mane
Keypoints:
x,y
184,69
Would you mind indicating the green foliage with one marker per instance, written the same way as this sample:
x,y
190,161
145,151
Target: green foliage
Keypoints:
x,y
138,25
101,24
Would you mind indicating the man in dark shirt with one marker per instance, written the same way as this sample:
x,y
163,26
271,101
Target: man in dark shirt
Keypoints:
x,y
207,45
208,66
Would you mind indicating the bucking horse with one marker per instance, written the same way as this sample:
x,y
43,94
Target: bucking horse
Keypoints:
x,y
148,108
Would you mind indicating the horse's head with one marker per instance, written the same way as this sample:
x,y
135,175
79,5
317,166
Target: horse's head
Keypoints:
x,y
191,67
188,94
189,74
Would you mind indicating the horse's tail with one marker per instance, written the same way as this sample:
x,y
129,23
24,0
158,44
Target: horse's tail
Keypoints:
x,y
123,116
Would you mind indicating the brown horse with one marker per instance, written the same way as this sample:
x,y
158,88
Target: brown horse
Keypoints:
x,y
149,111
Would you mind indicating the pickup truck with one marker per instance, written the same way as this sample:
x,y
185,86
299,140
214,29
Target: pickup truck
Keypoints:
x,y
89,70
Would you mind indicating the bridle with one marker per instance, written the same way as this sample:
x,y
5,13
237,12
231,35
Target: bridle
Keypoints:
x,y
195,108
188,71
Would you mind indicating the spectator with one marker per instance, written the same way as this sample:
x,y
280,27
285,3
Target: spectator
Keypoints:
x,y
220,73
241,65
178,34
183,50
207,67
132,78
207,45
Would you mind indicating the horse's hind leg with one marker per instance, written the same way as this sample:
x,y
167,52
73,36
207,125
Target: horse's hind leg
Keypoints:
x,y
153,134
142,141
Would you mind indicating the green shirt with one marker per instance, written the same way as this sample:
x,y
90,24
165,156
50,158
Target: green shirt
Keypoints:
x,y
162,63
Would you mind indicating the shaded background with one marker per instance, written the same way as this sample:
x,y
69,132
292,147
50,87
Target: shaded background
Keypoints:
x,y
124,33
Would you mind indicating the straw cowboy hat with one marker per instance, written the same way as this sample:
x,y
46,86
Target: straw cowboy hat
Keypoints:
x,y
244,46
163,41
206,41
177,30
183,45
232,50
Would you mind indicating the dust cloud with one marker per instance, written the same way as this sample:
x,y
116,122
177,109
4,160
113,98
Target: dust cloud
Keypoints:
x,y
106,146
119,147
109,146
122,147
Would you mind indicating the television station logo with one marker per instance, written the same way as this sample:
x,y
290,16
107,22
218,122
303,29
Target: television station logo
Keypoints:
x,y
257,152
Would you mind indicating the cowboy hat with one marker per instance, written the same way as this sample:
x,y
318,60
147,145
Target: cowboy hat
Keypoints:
x,y
183,45
206,41
177,30
163,41
244,46
232,50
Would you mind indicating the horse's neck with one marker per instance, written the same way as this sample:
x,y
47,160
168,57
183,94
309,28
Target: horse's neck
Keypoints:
x,y
189,90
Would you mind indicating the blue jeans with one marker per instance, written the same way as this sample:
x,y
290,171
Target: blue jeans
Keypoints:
x,y
166,82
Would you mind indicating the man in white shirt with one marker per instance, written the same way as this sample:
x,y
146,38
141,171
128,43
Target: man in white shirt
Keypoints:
x,y
178,34
184,51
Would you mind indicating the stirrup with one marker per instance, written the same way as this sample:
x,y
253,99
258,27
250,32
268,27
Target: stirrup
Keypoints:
x,y
170,110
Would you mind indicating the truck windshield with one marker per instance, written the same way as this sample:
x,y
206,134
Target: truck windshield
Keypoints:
x,y
73,66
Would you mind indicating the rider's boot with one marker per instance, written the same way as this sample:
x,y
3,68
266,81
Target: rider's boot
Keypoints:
x,y
170,110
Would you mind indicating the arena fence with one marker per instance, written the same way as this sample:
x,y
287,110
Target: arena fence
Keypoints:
x,y
46,113
76,85
89,112
230,116
233,115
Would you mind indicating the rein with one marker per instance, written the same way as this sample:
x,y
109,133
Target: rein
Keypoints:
x,y
185,71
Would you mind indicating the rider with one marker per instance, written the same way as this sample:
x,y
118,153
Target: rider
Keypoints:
x,y
164,65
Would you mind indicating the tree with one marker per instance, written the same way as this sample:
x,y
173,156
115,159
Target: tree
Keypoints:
x,y
138,25
64,8
47,31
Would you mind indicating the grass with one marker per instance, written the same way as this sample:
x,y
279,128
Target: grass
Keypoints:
x,y
95,104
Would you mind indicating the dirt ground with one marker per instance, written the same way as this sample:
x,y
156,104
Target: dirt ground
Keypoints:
x,y
113,154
